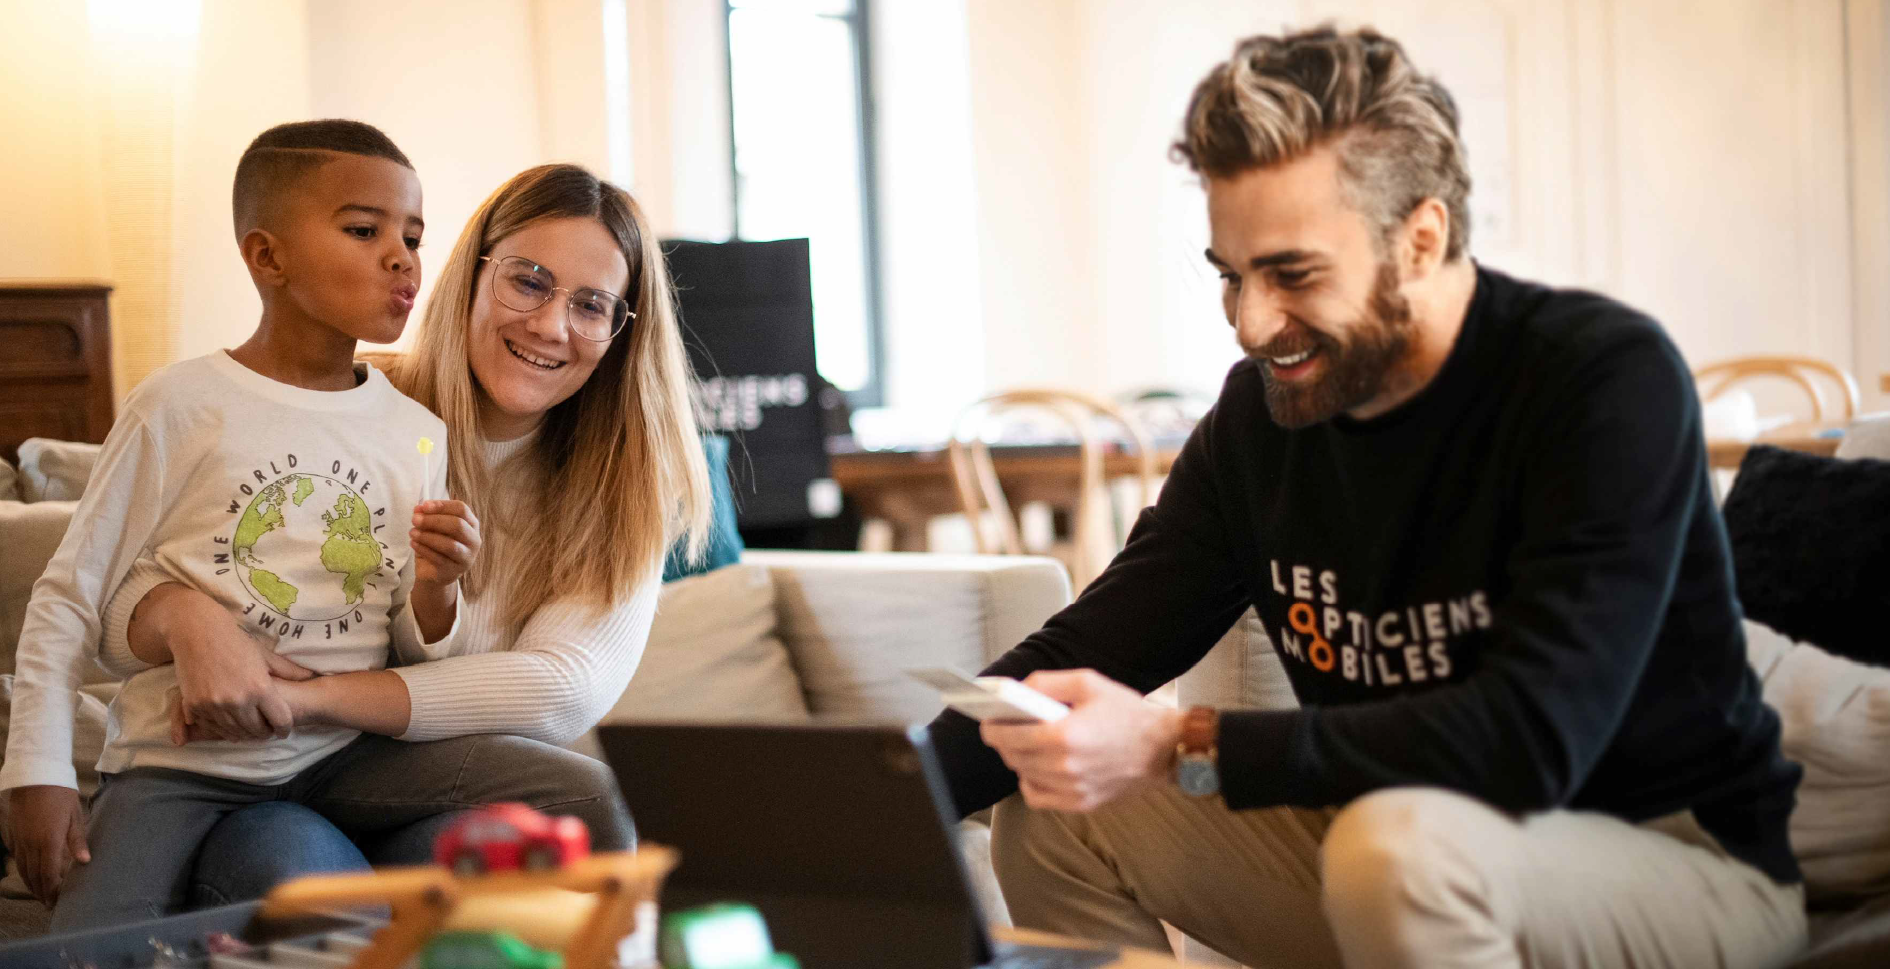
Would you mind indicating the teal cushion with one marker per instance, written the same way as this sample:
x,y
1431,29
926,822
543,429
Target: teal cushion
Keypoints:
x,y
725,542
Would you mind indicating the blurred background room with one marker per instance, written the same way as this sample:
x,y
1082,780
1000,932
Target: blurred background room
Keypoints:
x,y
987,199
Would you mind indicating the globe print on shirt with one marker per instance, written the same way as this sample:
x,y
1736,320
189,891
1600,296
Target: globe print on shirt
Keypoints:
x,y
287,517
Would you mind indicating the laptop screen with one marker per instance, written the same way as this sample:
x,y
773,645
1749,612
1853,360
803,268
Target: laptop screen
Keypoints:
x,y
839,834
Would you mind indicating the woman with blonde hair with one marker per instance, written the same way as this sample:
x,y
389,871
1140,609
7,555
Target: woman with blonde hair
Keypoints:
x,y
551,350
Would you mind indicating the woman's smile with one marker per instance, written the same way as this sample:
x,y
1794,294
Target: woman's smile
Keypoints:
x,y
532,360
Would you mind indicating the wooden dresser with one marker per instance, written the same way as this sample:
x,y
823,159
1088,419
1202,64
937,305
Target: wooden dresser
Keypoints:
x,y
55,362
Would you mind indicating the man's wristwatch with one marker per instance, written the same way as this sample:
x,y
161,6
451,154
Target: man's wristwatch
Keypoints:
x,y
1197,764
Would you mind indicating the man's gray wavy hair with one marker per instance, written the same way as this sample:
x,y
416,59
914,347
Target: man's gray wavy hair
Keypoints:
x,y
1278,98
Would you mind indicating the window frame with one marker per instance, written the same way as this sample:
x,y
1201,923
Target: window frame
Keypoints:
x,y
859,21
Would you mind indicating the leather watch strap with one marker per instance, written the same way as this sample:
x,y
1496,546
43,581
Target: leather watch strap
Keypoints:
x,y
1200,730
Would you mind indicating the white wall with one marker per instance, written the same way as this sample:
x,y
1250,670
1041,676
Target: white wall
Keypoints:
x,y
1868,23
237,87
1158,318
472,90
679,71
582,101
1725,165
52,211
1029,134
1690,158
1731,175
71,94
453,82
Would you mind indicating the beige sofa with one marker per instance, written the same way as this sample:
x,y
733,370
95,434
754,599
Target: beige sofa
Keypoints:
x,y
791,635
781,636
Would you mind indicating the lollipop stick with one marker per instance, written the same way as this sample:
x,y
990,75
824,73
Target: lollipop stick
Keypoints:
x,y
425,447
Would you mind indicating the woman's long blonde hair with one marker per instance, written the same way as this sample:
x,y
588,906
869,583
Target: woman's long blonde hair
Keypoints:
x,y
616,474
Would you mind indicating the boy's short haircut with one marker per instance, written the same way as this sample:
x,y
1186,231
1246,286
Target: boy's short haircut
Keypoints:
x,y
284,154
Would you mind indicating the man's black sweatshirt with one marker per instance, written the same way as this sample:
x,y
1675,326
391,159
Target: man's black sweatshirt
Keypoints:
x,y
1514,585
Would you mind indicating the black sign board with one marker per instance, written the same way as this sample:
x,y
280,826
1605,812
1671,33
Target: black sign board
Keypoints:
x,y
748,319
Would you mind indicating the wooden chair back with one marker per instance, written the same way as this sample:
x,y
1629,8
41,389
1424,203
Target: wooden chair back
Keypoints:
x,y
1810,374
981,493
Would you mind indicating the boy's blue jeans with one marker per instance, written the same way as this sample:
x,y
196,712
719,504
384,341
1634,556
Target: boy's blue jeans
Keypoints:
x,y
261,846
164,840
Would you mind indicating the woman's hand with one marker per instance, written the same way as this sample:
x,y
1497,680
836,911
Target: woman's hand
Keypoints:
x,y
226,678
373,701
445,539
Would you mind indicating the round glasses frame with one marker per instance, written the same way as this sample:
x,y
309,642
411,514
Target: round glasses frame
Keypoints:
x,y
621,314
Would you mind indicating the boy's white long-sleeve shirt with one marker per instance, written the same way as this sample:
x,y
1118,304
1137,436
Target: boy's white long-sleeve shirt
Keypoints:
x,y
549,677
291,507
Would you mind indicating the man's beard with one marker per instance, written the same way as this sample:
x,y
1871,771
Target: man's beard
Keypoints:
x,y
1355,371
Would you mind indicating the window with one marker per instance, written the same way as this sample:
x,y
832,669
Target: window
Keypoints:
x,y
799,110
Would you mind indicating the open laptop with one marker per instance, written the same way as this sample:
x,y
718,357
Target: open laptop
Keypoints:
x,y
843,837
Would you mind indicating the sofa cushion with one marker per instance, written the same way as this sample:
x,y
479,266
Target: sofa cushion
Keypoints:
x,y
1836,720
713,655
88,741
29,534
1242,671
55,470
1811,547
856,622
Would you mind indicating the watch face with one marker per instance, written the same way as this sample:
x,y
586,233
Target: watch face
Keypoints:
x,y
1196,775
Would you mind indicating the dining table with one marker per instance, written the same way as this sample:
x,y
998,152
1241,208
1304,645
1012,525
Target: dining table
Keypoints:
x,y
1812,437
908,486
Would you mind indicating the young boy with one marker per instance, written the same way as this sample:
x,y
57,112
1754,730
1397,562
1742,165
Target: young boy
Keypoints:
x,y
267,478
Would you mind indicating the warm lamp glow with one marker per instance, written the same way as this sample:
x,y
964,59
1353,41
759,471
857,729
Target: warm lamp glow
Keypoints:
x,y
149,18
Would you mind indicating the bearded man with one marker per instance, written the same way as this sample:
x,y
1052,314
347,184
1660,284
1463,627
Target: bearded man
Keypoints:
x,y
1473,514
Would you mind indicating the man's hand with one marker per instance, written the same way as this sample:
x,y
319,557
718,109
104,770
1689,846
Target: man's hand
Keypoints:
x,y
445,539
1112,741
48,835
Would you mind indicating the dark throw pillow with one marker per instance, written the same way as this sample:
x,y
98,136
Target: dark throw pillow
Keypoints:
x,y
1811,548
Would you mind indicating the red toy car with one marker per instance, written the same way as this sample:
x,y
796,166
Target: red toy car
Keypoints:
x,y
504,837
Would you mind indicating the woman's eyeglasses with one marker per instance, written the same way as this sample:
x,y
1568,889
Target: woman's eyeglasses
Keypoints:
x,y
522,285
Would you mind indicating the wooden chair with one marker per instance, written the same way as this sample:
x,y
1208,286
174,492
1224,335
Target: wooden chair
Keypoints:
x,y
1715,379
981,493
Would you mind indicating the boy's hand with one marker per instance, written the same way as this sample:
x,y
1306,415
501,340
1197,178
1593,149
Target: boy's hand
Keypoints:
x,y
295,693
226,679
184,732
445,539
48,835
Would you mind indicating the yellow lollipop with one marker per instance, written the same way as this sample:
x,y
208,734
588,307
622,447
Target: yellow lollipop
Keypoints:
x,y
425,447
